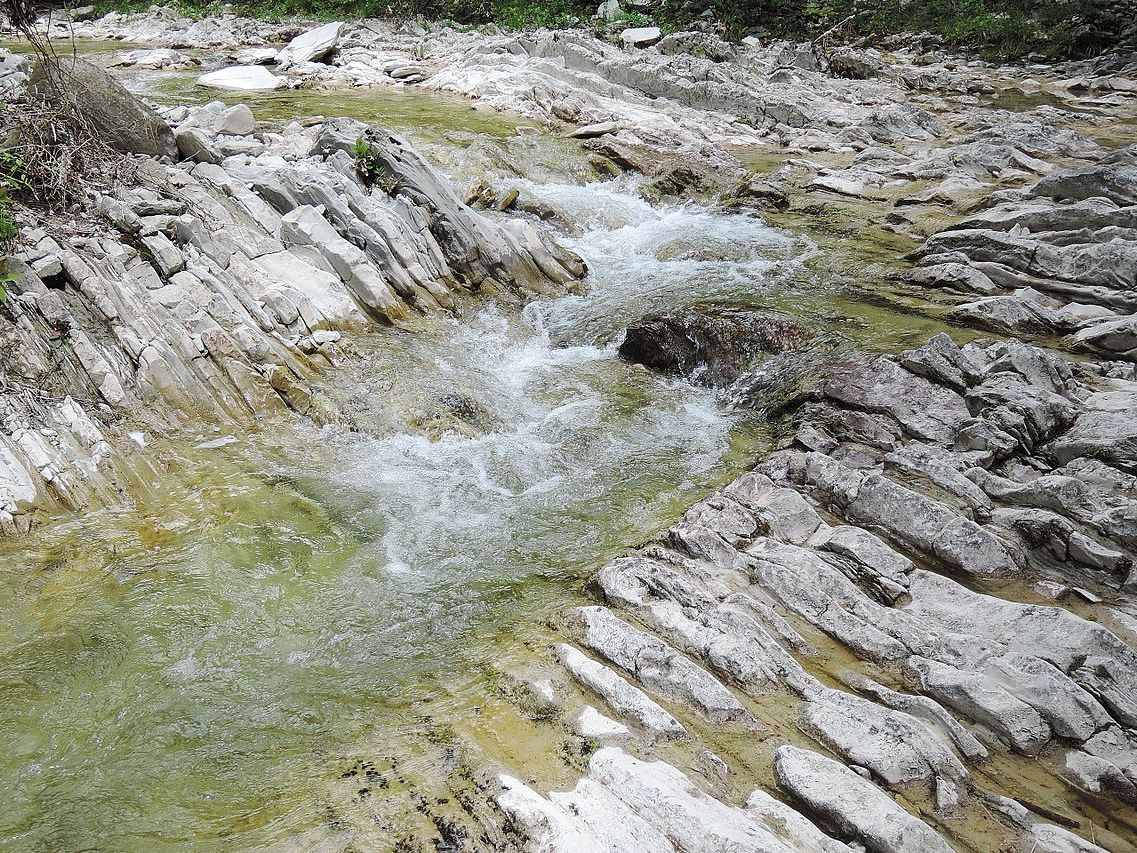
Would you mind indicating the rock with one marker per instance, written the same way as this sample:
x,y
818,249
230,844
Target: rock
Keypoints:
x,y
755,194
155,59
591,724
257,56
241,78
980,698
626,700
1105,430
609,10
122,121
711,347
306,226
1118,183
592,131
310,46
238,120
194,145
859,808
659,667
640,36
854,64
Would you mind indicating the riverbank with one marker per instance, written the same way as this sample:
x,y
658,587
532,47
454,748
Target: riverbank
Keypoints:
x,y
907,628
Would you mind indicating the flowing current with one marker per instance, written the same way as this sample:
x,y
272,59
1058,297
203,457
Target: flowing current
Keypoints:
x,y
200,672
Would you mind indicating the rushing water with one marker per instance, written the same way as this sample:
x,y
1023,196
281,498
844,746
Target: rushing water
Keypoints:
x,y
200,669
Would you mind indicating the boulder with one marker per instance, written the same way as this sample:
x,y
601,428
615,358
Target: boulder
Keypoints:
x,y
311,46
194,144
236,121
241,78
713,347
640,36
841,797
257,56
122,121
609,10
592,131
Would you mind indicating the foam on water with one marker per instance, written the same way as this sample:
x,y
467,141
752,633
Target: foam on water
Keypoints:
x,y
209,655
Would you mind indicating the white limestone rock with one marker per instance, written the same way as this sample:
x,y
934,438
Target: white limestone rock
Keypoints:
x,y
242,78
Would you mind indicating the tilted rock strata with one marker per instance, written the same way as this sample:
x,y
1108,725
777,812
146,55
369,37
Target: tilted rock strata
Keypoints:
x,y
906,472
214,291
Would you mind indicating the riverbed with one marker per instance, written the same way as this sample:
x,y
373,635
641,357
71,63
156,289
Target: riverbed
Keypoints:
x,y
298,623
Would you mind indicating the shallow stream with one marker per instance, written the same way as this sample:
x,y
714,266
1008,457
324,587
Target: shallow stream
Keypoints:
x,y
204,670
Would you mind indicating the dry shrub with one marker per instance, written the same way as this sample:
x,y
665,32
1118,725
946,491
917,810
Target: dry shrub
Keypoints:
x,y
51,154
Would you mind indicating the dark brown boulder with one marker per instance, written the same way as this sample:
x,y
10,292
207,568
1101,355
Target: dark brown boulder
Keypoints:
x,y
712,347
120,119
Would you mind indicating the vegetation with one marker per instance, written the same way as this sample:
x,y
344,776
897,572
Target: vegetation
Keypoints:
x,y
372,168
1005,27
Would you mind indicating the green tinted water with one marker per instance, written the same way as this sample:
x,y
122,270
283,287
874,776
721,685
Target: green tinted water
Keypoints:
x,y
210,669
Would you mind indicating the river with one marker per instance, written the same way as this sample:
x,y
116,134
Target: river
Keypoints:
x,y
298,631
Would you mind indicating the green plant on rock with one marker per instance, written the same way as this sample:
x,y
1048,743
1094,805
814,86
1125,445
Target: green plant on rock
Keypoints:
x,y
372,168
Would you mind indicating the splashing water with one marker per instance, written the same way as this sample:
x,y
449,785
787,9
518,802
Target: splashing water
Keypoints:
x,y
186,674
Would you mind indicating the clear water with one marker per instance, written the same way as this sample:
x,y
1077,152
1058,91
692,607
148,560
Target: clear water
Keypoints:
x,y
198,671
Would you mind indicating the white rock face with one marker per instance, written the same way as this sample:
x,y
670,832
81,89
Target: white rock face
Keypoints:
x,y
311,46
609,10
257,56
625,699
241,78
592,724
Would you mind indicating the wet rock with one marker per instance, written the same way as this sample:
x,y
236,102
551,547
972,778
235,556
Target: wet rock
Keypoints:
x,y
755,194
713,347
658,666
625,699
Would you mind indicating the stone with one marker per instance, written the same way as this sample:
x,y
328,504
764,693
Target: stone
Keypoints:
x,y
593,131
859,808
238,120
194,144
609,10
310,46
980,698
640,36
242,78
711,347
625,699
658,666
591,724
257,56
122,121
